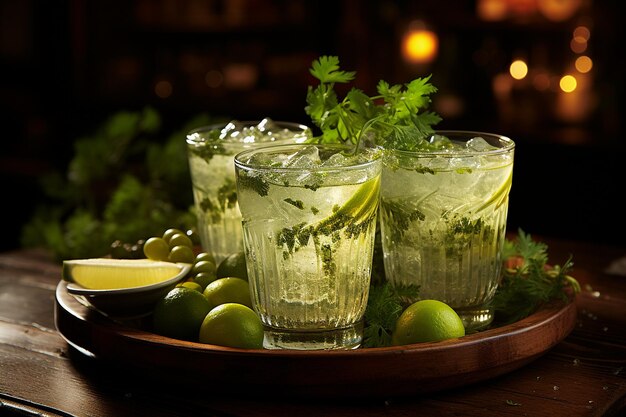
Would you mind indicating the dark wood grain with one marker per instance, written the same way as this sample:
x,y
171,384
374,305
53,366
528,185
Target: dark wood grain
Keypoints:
x,y
583,375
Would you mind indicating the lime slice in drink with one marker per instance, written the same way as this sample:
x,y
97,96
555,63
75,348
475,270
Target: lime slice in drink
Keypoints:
x,y
358,209
499,196
105,273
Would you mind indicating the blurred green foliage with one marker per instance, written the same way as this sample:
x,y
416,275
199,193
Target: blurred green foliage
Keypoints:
x,y
128,180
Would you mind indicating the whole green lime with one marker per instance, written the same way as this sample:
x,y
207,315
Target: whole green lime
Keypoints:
x,y
233,325
180,313
233,266
228,290
427,321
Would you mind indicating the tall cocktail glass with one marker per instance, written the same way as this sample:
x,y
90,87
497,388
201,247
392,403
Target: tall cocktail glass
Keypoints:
x,y
309,222
211,151
443,220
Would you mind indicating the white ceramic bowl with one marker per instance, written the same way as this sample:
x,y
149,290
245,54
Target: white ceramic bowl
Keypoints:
x,y
127,302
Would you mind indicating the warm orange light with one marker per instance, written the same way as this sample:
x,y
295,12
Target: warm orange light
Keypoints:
x,y
492,10
578,45
582,32
558,10
568,83
518,69
541,81
420,46
583,64
214,78
502,85
163,89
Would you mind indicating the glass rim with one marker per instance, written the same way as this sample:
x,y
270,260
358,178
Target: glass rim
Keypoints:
x,y
376,158
292,126
509,145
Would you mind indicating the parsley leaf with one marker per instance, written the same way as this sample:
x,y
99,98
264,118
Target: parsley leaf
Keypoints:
x,y
385,304
528,281
396,118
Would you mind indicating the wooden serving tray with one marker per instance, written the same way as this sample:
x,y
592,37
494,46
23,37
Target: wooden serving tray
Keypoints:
x,y
389,371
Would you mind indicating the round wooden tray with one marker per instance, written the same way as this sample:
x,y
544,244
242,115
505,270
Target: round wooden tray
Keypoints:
x,y
390,371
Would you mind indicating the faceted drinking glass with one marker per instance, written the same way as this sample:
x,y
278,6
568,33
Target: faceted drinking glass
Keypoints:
x,y
309,222
443,220
211,151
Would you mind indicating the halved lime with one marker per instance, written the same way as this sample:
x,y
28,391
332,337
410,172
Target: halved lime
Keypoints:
x,y
105,273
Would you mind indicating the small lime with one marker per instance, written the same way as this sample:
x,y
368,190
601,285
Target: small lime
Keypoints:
x,y
205,256
181,253
228,290
167,235
204,278
203,266
180,239
192,285
180,313
232,325
427,321
156,248
233,266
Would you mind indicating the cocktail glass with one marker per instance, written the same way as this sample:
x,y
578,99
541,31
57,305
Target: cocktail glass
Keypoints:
x,y
211,151
309,222
443,220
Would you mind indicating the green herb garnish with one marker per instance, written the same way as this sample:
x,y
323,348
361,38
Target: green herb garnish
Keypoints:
x,y
296,203
395,118
384,306
528,281
256,183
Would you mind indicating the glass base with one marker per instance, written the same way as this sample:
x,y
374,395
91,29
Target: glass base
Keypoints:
x,y
346,338
475,319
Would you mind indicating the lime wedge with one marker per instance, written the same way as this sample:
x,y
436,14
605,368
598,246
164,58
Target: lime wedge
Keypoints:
x,y
499,196
109,274
358,209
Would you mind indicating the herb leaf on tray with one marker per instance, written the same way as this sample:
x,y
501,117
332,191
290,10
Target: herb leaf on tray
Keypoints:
x,y
528,282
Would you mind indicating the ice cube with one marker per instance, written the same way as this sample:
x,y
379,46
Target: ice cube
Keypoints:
x,y
479,144
231,129
237,131
336,160
266,125
307,157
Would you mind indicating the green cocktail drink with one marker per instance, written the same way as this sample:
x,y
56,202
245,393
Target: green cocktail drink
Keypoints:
x,y
211,150
443,220
309,220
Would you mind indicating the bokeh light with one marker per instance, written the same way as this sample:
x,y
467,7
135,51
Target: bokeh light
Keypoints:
x,y
583,64
582,32
518,69
214,78
420,45
558,10
502,85
492,10
541,81
578,45
568,83
163,88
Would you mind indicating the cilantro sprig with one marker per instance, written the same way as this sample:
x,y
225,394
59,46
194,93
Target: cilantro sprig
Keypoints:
x,y
528,280
396,118
385,304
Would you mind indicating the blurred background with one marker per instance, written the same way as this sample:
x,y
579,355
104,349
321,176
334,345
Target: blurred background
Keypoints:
x,y
547,73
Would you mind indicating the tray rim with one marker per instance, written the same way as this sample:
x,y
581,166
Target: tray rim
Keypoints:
x,y
100,337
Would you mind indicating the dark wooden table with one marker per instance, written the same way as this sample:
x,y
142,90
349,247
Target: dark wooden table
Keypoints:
x,y
40,375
